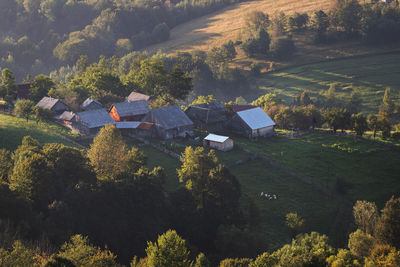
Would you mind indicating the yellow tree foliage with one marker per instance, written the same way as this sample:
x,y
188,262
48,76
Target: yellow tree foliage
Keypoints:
x,y
108,153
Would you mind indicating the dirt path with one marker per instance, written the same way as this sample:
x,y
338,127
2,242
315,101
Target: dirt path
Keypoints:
x,y
226,24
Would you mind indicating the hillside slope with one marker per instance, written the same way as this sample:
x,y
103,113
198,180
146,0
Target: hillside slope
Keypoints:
x,y
226,24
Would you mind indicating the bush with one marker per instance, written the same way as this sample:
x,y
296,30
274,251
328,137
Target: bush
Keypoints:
x,y
282,47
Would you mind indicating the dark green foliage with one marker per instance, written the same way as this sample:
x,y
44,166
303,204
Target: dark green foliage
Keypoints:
x,y
298,21
8,90
387,229
24,108
40,87
257,45
160,32
282,47
360,123
337,118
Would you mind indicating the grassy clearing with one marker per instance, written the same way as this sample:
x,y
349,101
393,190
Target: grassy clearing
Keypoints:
x,y
13,129
226,24
321,213
370,74
158,158
371,170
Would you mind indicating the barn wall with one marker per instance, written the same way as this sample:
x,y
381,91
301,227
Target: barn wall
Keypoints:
x,y
266,131
114,114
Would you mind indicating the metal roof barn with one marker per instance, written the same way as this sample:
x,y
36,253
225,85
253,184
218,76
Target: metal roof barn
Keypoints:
x,y
256,118
95,118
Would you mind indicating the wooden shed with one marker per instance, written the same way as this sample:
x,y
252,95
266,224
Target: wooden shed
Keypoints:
x,y
223,143
129,111
53,104
90,104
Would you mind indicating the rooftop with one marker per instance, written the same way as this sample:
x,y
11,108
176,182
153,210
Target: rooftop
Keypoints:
x,y
256,118
216,138
95,118
134,108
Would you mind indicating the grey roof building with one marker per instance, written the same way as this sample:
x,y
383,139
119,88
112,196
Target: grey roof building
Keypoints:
x,y
90,104
170,122
66,116
90,122
134,96
252,123
129,111
53,104
208,116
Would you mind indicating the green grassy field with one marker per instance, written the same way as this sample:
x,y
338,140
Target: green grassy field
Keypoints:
x,y
13,129
370,74
371,170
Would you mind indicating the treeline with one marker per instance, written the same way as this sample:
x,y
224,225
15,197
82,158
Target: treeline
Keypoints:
x,y
374,243
50,192
374,23
329,111
38,36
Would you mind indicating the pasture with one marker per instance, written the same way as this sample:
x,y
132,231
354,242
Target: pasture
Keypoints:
x,y
13,129
365,170
369,74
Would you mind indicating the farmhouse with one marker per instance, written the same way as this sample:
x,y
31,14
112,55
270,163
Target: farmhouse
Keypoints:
x,y
137,128
170,122
223,143
134,96
66,118
89,122
252,123
53,104
90,104
129,111
208,116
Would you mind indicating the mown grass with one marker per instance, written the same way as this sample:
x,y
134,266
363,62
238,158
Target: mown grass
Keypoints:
x,y
370,170
13,129
369,74
158,158
321,213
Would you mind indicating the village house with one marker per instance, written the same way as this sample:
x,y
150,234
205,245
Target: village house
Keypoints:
x,y
223,143
170,122
134,96
53,104
136,128
208,116
90,104
129,111
252,123
89,122
66,118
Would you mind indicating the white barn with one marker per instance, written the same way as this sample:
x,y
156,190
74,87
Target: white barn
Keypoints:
x,y
223,143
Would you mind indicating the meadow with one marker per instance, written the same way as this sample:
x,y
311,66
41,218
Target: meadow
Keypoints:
x,y
13,129
369,74
367,171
